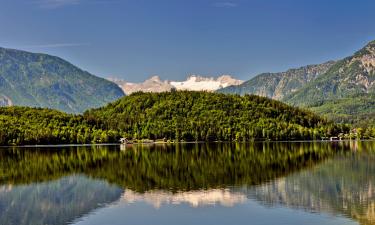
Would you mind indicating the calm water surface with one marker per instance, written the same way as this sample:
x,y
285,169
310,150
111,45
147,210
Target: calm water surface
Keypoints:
x,y
259,183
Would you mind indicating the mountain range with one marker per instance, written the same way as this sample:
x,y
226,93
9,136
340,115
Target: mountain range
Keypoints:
x,y
192,83
342,90
41,80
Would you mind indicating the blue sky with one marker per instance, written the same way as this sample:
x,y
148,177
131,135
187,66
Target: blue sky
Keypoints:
x,y
134,39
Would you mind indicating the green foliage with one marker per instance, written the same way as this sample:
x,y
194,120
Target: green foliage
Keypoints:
x,y
203,116
41,80
358,110
26,126
180,116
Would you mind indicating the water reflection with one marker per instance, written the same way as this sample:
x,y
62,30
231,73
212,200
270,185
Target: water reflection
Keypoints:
x,y
198,198
342,185
61,185
55,202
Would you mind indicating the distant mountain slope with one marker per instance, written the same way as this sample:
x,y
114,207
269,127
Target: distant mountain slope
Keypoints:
x,y
278,85
192,83
351,76
346,92
32,79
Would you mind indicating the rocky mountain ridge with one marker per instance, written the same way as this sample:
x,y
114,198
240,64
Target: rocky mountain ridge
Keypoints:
x,y
279,85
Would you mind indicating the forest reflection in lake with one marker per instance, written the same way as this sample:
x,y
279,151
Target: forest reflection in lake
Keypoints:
x,y
265,183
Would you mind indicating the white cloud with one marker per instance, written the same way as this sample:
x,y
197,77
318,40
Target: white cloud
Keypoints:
x,y
56,45
53,4
225,4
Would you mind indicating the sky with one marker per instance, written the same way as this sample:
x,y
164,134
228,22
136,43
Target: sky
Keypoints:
x,y
135,39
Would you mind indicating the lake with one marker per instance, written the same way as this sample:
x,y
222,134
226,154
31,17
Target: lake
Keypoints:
x,y
254,183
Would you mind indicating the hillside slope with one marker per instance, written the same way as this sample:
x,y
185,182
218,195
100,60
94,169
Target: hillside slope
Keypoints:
x,y
346,91
342,91
40,80
185,115
278,85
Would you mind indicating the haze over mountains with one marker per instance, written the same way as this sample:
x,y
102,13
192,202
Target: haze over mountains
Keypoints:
x,y
192,83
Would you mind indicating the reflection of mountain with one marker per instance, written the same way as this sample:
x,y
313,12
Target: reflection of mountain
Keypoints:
x,y
55,202
41,182
343,185
197,198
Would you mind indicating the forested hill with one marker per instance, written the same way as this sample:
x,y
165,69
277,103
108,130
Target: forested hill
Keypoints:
x,y
176,116
30,126
204,116
40,80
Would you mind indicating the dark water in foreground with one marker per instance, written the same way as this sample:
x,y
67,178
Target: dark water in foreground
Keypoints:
x,y
261,183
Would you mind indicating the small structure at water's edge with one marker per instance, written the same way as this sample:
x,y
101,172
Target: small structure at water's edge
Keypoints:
x,y
125,141
144,141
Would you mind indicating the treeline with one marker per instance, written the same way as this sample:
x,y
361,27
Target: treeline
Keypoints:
x,y
178,116
30,126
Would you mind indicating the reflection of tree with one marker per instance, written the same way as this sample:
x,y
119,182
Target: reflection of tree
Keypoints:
x,y
172,167
341,185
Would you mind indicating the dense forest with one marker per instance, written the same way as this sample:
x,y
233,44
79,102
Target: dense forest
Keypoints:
x,y
175,116
203,116
29,126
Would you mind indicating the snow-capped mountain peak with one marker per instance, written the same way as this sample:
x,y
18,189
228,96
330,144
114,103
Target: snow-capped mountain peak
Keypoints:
x,y
192,83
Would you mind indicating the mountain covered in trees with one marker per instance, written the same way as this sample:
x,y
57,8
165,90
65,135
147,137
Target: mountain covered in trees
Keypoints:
x,y
343,90
40,80
204,116
177,116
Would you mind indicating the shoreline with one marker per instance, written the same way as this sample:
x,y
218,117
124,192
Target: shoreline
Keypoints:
x,y
185,142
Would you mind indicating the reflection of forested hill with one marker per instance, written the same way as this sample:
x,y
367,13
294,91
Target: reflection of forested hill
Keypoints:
x,y
173,167
53,203
341,185
42,182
